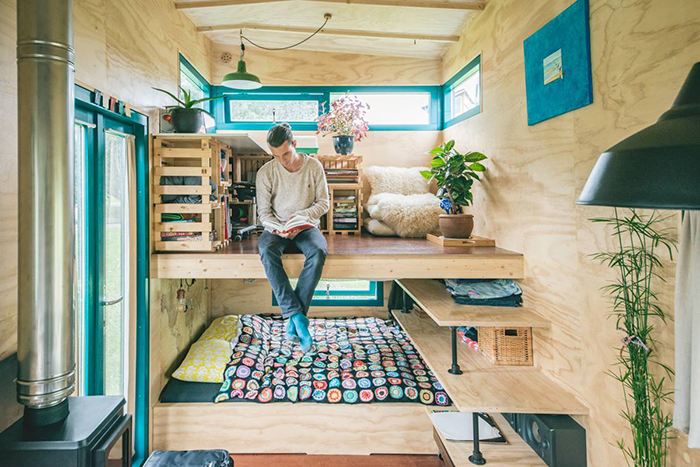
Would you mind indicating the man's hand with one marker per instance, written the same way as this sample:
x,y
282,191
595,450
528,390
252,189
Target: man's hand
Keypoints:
x,y
289,235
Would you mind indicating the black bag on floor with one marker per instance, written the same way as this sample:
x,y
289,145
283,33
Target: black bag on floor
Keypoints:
x,y
204,458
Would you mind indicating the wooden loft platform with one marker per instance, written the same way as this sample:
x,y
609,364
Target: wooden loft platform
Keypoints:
x,y
240,142
363,257
437,302
484,387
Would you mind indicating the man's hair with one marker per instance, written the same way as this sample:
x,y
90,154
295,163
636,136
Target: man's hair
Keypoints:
x,y
278,134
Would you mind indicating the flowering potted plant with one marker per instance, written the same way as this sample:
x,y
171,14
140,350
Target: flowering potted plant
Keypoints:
x,y
454,174
345,120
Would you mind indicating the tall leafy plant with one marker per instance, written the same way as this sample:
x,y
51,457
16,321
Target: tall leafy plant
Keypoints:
x,y
638,238
187,102
454,174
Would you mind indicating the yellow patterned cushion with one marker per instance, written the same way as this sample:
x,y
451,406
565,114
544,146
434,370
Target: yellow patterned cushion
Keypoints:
x,y
225,328
205,361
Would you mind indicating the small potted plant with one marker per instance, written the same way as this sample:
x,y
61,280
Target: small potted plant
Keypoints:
x,y
345,120
454,174
185,117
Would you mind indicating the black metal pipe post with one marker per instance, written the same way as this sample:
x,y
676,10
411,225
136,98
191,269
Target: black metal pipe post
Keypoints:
x,y
404,301
476,458
455,370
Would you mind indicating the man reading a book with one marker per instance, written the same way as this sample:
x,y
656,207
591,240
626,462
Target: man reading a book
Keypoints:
x,y
292,195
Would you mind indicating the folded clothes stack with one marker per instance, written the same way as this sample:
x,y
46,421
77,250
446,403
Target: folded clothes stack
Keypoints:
x,y
485,292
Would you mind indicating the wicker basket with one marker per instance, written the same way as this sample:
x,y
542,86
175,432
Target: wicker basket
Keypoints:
x,y
506,346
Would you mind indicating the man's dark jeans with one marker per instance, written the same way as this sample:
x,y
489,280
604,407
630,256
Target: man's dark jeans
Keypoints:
x,y
313,245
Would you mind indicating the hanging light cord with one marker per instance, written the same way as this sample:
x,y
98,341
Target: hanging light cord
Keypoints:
x,y
327,17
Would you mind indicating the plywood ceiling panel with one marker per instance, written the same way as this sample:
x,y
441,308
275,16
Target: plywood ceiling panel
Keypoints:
x,y
446,24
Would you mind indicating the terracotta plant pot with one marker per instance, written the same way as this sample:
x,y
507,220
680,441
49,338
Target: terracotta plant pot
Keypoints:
x,y
456,225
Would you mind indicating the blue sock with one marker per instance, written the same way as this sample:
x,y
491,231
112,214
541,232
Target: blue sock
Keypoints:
x,y
291,333
301,327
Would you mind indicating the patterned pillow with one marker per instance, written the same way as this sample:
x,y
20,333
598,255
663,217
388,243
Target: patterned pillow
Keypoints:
x,y
225,328
205,361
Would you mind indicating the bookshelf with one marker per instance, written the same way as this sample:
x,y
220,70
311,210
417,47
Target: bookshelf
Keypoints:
x,y
344,177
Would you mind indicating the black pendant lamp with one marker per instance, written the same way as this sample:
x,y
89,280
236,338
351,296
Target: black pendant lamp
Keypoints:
x,y
657,167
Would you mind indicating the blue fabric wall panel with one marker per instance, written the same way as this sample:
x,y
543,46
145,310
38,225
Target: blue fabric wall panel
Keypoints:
x,y
569,32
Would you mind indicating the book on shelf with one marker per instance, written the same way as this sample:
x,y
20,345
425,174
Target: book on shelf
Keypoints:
x,y
294,224
344,226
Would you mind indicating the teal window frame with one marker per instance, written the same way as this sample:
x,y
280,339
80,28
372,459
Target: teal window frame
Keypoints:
x,y
137,125
221,107
451,84
188,69
375,297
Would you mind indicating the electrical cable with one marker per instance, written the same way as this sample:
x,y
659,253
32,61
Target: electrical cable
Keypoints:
x,y
327,17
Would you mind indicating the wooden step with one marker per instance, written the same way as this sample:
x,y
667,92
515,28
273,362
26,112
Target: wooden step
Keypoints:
x,y
433,297
485,387
516,452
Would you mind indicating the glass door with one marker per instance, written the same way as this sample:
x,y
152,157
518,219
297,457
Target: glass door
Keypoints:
x,y
115,259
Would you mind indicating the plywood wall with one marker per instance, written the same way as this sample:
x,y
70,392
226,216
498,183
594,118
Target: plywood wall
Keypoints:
x,y
641,53
122,47
306,68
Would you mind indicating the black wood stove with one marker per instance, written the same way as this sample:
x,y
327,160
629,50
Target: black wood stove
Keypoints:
x,y
86,438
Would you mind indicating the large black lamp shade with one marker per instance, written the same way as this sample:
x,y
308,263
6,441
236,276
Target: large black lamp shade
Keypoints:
x,y
658,167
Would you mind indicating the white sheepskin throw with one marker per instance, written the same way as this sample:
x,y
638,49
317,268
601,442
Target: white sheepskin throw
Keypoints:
x,y
378,228
411,216
399,180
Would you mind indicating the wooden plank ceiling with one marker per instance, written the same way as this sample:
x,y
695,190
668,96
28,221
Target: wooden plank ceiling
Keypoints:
x,y
400,28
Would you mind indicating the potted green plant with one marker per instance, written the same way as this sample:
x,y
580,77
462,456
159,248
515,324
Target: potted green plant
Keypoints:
x,y
185,117
454,174
346,121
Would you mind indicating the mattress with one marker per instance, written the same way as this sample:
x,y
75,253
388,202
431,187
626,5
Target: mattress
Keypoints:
x,y
357,360
185,391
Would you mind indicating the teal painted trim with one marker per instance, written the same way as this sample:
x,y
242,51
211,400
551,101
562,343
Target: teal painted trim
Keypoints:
x,y
320,94
98,266
375,297
447,88
142,295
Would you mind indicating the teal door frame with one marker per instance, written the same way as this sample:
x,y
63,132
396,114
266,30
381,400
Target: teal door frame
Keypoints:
x,y
137,125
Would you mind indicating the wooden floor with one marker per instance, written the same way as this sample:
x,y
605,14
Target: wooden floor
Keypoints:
x,y
302,460
349,256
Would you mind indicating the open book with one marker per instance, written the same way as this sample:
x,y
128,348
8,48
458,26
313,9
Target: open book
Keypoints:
x,y
294,224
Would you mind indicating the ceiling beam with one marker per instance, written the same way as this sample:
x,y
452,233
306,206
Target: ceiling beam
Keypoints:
x,y
330,32
436,4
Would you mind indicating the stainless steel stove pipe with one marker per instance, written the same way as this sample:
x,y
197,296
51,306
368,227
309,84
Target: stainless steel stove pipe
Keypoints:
x,y
45,74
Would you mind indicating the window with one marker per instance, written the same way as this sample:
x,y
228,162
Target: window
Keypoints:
x,y
195,84
273,110
462,94
396,108
345,292
391,108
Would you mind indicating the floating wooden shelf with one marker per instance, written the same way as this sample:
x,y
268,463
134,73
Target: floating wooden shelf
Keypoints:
x,y
516,452
484,387
437,302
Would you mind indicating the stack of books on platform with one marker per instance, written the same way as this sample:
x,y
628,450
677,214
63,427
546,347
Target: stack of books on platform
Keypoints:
x,y
342,175
345,213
